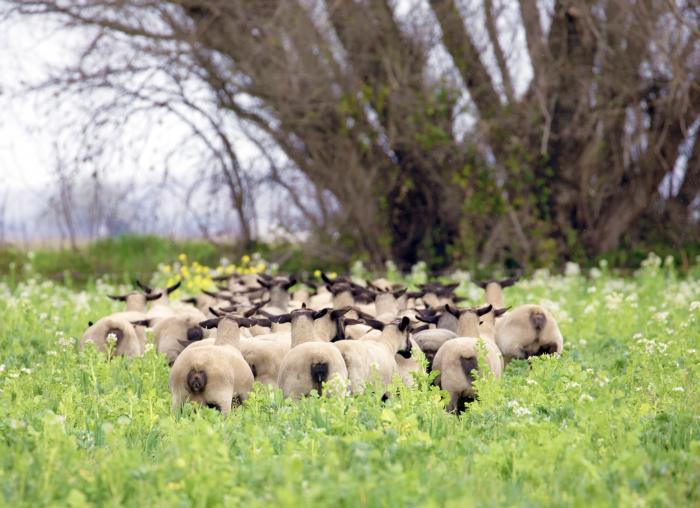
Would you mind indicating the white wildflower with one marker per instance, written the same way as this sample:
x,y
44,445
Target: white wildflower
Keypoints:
x,y
13,375
123,420
2,367
637,336
521,411
660,316
690,351
595,273
591,290
678,389
25,370
572,269
694,306
603,381
531,382
51,353
570,385
149,347
585,397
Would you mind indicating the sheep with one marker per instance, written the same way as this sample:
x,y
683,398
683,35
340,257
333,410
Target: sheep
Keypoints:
x,y
312,361
430,341
375,356
172,335
213,372
135,305
265,353
494,290
526,331
128,341
435,294
279,293
458,358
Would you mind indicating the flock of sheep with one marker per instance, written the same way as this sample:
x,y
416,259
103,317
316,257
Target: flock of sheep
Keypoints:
x,y
343,336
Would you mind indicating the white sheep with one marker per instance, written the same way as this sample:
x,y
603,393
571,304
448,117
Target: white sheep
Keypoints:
x,y
312,361
213,372
528,330
128,342
373,357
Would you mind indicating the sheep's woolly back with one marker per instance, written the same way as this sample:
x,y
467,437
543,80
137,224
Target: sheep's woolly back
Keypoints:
x,y
128,341
528,330
386,307
308,366
265,358
172,335
455,362
302,329
430,341
468,325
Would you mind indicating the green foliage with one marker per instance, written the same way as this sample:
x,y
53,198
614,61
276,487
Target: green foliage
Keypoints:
x,y
614,422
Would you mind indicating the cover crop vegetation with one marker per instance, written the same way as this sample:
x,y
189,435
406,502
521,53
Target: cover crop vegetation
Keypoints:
x,y
614,421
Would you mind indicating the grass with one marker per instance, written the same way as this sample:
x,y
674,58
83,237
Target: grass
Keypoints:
x,y
614,422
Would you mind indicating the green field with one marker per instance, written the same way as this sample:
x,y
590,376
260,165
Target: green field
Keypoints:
x,y
614,422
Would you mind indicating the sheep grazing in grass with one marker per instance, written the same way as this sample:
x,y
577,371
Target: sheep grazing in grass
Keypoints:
x,y
172,335
127,341
430,341
135,305
494,290
374,357
312,361
457,359
526,331
213,372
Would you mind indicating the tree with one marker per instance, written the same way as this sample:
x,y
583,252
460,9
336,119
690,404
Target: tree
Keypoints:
x,y
357,110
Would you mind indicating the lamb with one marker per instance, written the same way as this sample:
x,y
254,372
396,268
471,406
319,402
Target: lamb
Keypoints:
x,y
458,358
128,341
526,331
311,361
212,372
371,357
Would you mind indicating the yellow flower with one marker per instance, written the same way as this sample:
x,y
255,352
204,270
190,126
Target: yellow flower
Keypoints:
x,y
261,267
332,275
230,269
182,258
185,272
245,259
317,274
167,269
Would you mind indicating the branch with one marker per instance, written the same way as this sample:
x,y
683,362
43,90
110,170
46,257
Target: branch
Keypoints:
x,y
498,50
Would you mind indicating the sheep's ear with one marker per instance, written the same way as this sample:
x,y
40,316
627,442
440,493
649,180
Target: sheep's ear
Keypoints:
x,y
484,310
282,318
210,323
508,282
399,292
142,322
155,296
325,278
230,308
320,313
172,288
374,323
216,312
142,286
191,300
415,294
370,285
312,285
428,311
247,323
452,310
292,281
90,323
263,322
431,319
119,298
351,321
420,328
405,322
482,283
338,313
265,276
219,278
263,283
500,312
210,293
451,287
221,287
255,309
